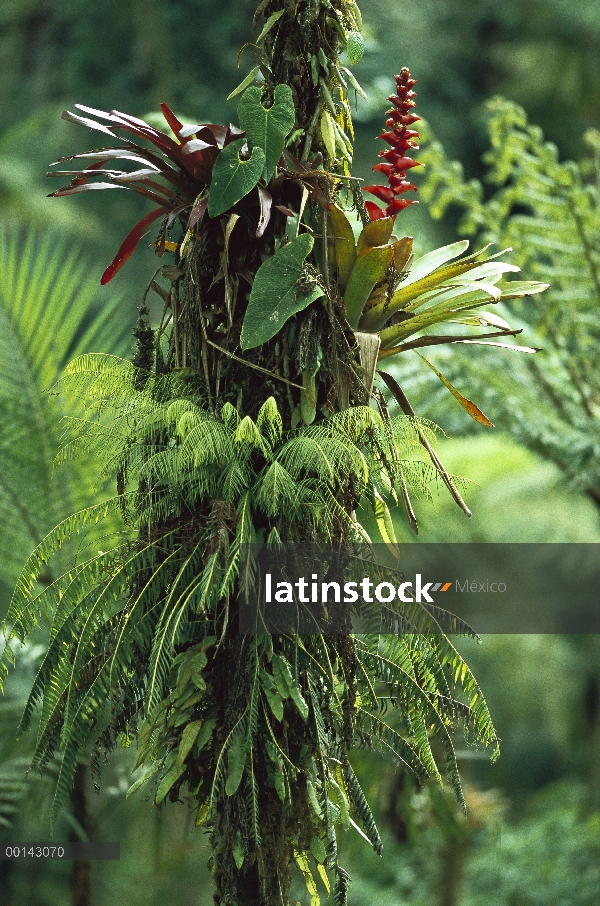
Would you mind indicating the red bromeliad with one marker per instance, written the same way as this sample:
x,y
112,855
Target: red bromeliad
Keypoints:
x,y
402,139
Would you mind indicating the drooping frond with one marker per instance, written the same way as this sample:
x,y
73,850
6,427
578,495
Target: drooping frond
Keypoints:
x,y
48,313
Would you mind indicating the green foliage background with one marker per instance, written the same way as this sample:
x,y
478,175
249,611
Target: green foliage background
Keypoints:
x,y
540,827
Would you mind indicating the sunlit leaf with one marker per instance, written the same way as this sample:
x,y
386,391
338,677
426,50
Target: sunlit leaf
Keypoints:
x,y
526,349
469,407
302,862
385,524
343,249
376,232
354,83
368,269
328,133
402,253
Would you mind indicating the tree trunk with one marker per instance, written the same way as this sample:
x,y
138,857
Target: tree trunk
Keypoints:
x,y
208,298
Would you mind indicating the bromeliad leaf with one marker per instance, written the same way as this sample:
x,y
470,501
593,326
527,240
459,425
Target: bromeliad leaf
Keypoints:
x,y
470,407
342,247
275,295
233,177
267,128
376,232
369,268
130,243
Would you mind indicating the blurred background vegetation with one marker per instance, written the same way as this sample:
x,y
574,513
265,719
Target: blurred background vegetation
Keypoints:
x,y
532,831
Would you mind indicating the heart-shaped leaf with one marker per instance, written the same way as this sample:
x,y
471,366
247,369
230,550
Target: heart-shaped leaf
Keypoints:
x,y
233,177
275,294
267,128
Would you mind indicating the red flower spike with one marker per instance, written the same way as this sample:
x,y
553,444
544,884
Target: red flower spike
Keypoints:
x,y
374,211
401,185
401,139
380,192
397,205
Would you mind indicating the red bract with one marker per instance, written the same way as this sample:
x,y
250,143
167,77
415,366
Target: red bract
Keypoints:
x,y
401,139
185,165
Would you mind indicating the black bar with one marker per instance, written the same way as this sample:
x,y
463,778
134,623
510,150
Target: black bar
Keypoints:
x,y
494,588
59,851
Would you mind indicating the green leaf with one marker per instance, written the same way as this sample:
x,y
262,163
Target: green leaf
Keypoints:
x,y
286,686
376,232
267,128
233,178
188,738
343,248
302,862
312,798
413,294
357,87
369,268
269,25
432,260
206,733
317,848
280,784
385,524
236,760
355,47
282,676
308,398
299,701
138,783
244,84
274,297
273,696
170,778
328,133
238,851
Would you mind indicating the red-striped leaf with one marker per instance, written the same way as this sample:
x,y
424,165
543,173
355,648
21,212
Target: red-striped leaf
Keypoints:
x,y
172,120
196,144
85,121
130,243
73,190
